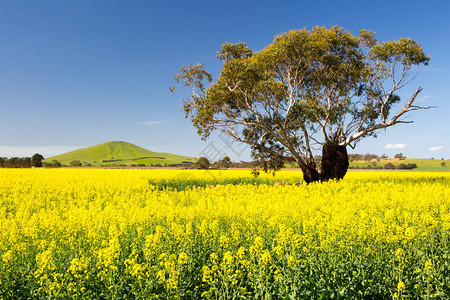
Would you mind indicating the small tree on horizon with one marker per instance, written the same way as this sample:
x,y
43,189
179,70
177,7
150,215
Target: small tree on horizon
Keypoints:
x,y
399,156
56,164
389,166
203,163
75,163
36,160
225,162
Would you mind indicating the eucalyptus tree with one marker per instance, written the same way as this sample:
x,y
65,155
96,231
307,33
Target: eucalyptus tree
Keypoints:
x,y
320,89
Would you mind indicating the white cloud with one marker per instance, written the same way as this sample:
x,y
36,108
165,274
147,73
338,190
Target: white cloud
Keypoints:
x,y
436,148
394,146
27,151
152,122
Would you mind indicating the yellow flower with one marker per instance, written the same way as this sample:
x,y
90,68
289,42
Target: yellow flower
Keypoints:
x,y
241,252
182,258
278,250
259,243
401,287
291,261
277,275
228,259
206,274
399,253
137,270
428,267
7,256
45,260
213,256
266,258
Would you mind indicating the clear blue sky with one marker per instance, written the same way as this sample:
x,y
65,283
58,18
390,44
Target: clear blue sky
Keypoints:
x,y
79,73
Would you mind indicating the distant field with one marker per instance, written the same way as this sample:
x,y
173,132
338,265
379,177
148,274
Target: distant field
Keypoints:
x,y
146,161
422,164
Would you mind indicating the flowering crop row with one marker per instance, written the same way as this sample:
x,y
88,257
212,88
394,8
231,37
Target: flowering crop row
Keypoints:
x,y
83,233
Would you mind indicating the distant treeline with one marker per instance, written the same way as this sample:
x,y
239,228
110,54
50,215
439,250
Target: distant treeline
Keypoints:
x,y
203,163
373,159
370,156
37,161
22,162
388,166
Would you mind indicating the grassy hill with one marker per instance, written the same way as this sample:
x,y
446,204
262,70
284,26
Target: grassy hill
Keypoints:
x,y
119,153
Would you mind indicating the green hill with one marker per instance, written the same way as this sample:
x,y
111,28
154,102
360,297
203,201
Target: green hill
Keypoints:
x,y
119,153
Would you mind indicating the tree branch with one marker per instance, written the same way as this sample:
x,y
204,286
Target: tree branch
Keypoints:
x,y
408,107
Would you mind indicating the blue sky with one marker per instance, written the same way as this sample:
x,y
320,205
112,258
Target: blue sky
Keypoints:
x,y
78,73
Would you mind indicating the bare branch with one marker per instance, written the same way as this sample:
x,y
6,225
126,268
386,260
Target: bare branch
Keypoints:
x,y
408,107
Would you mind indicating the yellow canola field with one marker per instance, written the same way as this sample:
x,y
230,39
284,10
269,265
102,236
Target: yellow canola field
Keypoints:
x,y
152,234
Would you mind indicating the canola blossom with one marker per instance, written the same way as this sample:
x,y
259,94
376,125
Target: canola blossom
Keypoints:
x,y
146,234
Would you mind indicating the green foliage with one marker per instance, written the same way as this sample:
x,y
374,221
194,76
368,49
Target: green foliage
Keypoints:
x,y
53,164
389,165
234,51
75,163
203,163
405,51
16,162
225,162
36,160
399,156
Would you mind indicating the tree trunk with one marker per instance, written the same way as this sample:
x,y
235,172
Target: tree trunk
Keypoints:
x,y
310,173
334,162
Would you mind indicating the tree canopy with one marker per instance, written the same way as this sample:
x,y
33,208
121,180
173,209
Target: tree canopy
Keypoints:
x,y
203,163
320,89
36,160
